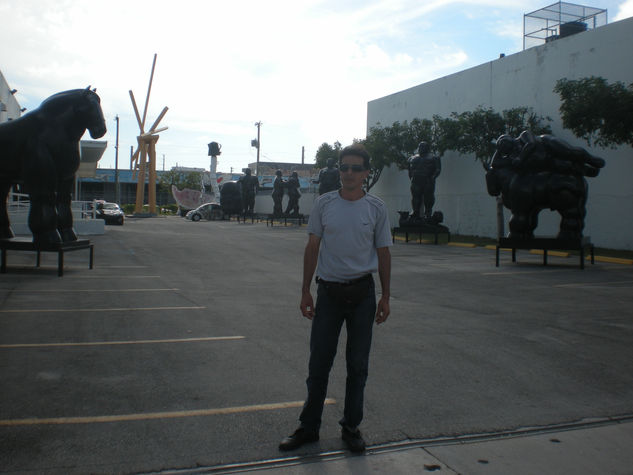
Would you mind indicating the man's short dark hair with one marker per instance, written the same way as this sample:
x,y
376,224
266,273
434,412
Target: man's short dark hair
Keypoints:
x,y
358,150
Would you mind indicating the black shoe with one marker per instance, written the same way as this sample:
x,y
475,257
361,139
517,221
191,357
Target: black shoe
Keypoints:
x,y
353,439
301,436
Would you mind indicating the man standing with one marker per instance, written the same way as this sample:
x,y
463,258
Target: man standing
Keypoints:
x,y
424,168
349,239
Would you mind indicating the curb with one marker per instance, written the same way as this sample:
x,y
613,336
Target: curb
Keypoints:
x,y
492,247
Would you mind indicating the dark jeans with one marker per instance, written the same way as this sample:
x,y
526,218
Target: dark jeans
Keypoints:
x,y
326,327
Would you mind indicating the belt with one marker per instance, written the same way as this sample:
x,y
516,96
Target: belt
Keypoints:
x,y
319,280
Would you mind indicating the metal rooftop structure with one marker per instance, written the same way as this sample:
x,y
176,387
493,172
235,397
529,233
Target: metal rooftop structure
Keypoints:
x,y
559,20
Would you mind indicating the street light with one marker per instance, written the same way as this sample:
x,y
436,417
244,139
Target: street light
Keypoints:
x,y
258,145
117,197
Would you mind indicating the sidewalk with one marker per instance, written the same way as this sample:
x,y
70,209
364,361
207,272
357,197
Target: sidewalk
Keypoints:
x,y
595,447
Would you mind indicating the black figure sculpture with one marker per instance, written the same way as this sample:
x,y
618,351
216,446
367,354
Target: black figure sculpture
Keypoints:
x,y
278,194
532,173
424,168
249,185
231,198
215,149
293,194
329,177
41,151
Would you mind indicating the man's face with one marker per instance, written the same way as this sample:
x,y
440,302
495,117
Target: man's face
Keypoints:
x,y
352,179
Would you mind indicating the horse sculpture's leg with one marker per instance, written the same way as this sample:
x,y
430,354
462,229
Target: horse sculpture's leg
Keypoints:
x,y
519,225
43,219
572,221
5,225
522,205
569,199
64,211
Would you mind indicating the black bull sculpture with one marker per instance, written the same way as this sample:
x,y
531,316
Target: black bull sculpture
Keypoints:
x,y
40,151
532,173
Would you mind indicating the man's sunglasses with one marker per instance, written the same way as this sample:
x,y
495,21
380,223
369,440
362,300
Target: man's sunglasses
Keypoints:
x,y
355,168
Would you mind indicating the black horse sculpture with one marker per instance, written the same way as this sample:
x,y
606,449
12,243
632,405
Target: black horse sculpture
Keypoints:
x,y
532,173
40,151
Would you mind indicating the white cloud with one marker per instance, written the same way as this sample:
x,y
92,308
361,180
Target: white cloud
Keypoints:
x,y
625,10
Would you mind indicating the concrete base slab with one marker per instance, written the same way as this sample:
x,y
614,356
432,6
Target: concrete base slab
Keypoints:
x,y
598,450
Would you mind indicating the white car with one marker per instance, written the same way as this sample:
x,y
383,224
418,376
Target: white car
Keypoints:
x,y
208,211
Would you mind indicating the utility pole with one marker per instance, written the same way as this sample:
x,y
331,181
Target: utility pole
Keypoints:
x,y
259,144
117,193
303,154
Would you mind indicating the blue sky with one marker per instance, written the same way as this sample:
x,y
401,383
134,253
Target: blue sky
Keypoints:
x,y
305,69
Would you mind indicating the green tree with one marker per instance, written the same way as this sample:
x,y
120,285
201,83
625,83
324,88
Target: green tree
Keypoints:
x,y
192,180
325,152
596,111
475,132
395,144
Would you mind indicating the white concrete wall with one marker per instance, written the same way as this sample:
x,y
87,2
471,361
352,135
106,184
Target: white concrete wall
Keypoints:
x,y
264,203
522,79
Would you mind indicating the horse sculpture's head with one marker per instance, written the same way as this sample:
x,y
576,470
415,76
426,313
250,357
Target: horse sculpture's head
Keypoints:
x,y
80,110
89,108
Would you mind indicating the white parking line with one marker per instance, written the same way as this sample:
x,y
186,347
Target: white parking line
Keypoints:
x,y
130,342
56,291
123,267
526,272
118,277
156,415
595,284
75,310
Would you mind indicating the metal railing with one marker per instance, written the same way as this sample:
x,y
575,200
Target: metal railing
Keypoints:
x,y
18,204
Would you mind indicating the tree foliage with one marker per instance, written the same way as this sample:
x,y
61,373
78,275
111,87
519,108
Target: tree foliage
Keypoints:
x,y
472,132
475,132
596,111
394,144
192,180
325,152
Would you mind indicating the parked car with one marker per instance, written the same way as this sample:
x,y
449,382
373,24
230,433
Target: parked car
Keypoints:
x,y
208,211
111,213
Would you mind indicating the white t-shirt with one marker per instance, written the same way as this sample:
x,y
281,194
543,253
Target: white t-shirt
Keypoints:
x,y
350,233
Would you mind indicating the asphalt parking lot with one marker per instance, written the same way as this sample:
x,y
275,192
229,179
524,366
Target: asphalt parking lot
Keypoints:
x,y
184,347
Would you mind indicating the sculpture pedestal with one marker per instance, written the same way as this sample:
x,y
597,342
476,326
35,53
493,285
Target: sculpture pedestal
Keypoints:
x,y
24,244
297,219
435,229
547,244
242,217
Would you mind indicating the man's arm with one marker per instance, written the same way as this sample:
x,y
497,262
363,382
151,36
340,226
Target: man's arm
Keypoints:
x,y
310,257
384,273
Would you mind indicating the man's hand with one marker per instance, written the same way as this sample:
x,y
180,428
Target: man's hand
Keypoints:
x,y
307,305
382,310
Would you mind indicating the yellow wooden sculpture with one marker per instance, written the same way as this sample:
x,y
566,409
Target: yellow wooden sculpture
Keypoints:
x,y
144,158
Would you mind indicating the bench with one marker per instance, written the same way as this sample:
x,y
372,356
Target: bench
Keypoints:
x,y
547,244
26,244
